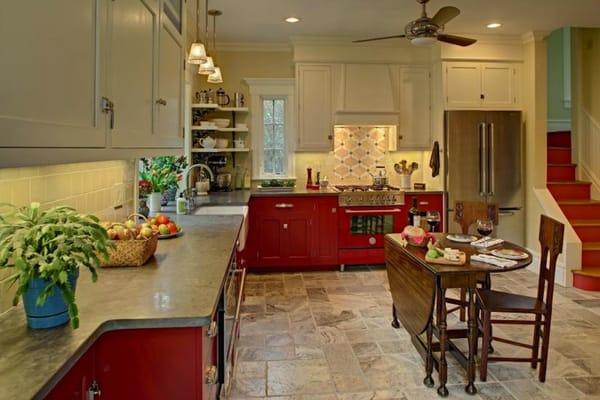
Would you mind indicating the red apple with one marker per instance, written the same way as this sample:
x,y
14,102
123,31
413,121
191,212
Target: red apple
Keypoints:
x,y
162,219
173,227
112,234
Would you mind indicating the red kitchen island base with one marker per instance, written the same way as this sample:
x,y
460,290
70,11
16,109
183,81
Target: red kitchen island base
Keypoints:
x,y
161,363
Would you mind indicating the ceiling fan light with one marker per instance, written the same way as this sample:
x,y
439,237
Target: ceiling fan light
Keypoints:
x,y
423,41
197,53
215,77
207,67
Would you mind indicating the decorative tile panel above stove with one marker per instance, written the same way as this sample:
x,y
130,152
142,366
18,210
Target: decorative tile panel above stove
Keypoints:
x,y
357,150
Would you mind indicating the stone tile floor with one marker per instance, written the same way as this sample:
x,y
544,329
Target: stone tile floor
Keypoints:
x,y
327,335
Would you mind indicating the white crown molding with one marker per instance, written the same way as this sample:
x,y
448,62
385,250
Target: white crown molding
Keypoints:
x,y
534,36
281,47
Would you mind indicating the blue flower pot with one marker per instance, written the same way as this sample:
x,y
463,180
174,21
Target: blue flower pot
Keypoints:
x,y
54,312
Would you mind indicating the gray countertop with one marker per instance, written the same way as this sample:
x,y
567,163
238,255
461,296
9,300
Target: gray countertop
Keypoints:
x,y
298,191
179,287
233,198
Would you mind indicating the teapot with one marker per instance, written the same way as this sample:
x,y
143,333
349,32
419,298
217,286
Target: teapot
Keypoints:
x,y
208,142
222,98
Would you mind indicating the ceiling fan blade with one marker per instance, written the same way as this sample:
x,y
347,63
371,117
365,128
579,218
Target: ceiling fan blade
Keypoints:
x,y
458,40
444,15
378,38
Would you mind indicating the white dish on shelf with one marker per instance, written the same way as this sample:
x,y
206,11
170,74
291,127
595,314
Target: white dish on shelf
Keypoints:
x,y
221,122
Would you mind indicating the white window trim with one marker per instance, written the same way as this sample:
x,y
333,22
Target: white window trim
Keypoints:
x,y
260,88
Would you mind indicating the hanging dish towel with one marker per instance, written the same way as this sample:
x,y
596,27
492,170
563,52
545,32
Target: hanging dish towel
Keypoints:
x,y
434,161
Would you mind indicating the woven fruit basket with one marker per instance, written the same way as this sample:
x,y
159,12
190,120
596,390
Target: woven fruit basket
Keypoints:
x,y
130,252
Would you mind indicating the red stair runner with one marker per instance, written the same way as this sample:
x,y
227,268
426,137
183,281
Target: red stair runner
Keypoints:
x,y
574,198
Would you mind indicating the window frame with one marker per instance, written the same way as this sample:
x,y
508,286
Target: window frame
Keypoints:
x,y
267,89
285,135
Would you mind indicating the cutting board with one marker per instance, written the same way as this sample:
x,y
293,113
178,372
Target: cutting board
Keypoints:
x,y
443,261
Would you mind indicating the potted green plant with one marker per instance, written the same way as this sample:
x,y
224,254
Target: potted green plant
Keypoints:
x,y
159,175
46,249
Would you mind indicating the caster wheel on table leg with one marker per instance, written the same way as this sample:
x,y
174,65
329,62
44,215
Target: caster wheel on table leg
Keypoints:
x,y
471,389
342,267
428,381
442,391
490,349
395,324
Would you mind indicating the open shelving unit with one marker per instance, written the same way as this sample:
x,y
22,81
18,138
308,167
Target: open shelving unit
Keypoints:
x,y
227,150
204,128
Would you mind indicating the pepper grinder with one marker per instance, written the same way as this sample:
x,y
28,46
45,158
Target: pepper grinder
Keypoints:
x,y
309,181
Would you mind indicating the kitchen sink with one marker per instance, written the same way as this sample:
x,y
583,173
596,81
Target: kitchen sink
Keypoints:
x,y
222,210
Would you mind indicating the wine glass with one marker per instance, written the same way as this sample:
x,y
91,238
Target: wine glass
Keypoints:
x,y
433,220
485,227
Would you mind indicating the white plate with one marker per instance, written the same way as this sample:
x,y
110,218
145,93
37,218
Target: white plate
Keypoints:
x,y
460,238
510,254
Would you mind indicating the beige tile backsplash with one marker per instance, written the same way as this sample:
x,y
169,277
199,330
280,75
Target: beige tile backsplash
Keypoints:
x,y
104,189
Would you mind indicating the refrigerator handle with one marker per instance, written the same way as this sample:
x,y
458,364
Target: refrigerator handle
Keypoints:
x,y
483,162
492,162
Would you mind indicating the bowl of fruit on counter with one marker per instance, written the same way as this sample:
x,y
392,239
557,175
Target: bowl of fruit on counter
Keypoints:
x,y
163,226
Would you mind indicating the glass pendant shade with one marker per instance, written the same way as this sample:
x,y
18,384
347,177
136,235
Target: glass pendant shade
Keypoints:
x,y
197,53
207,67
216,76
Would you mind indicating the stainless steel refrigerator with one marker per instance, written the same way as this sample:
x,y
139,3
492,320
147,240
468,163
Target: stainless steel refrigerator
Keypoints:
x,y
484,161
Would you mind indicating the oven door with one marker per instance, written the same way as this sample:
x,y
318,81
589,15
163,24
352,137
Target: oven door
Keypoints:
x,y
365,227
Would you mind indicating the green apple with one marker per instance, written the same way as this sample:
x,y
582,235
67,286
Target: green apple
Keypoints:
x,y
146,232
130,224
163,229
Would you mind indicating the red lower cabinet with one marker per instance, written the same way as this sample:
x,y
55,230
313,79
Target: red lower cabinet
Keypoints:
x,y
169,363
75,384
428,202
287,231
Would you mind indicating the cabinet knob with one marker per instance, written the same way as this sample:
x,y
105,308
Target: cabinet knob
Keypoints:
x,y
330,137
400,137
211,375
161,102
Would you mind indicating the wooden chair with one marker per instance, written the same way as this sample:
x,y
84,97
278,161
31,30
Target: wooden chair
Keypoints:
x,y
489,301
466,213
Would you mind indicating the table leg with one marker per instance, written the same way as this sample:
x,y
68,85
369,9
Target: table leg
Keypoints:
x,y
472,328
428,381
488,285
395,322
443,365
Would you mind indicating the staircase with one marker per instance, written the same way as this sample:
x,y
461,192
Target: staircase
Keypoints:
x,y
574,199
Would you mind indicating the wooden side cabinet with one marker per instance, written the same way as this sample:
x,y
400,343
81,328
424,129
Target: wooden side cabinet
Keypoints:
x,y
315,107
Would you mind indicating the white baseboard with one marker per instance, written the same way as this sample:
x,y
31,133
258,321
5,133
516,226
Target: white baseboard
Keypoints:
x,y
559,125
587,175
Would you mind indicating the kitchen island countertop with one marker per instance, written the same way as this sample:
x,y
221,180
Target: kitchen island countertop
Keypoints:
x,y
179,287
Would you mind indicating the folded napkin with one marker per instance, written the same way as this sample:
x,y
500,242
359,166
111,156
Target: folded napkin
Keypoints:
x,y
497,261
486,242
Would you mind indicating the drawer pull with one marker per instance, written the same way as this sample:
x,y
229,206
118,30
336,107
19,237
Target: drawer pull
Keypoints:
x,y
284,205
423,203
212,375
212,329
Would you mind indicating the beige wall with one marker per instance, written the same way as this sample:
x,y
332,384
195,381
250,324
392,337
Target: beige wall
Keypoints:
x,y
590,95
95,188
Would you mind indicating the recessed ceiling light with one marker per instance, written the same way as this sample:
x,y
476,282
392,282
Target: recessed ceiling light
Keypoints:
x,y
494,25
292,20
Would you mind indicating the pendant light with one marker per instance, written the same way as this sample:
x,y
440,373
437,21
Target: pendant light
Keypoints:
x,y
208,66
216,76
197,51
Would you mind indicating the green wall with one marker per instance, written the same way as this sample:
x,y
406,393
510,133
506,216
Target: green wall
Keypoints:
x,y
556,109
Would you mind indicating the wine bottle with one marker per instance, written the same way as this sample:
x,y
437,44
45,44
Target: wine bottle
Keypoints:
x,y
414,215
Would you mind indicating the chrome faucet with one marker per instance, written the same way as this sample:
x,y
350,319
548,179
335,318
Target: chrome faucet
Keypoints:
x,y
190,192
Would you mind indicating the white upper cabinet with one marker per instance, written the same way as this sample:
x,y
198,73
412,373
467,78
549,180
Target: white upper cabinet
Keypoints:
x,y
169,126
51,80
131,71
314,102
488,86
414,128
66,64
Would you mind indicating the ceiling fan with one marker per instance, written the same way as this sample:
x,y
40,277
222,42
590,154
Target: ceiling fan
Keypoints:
x,y
425,31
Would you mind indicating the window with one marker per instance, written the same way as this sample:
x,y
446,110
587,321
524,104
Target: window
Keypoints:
x,y
272,127
274,136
